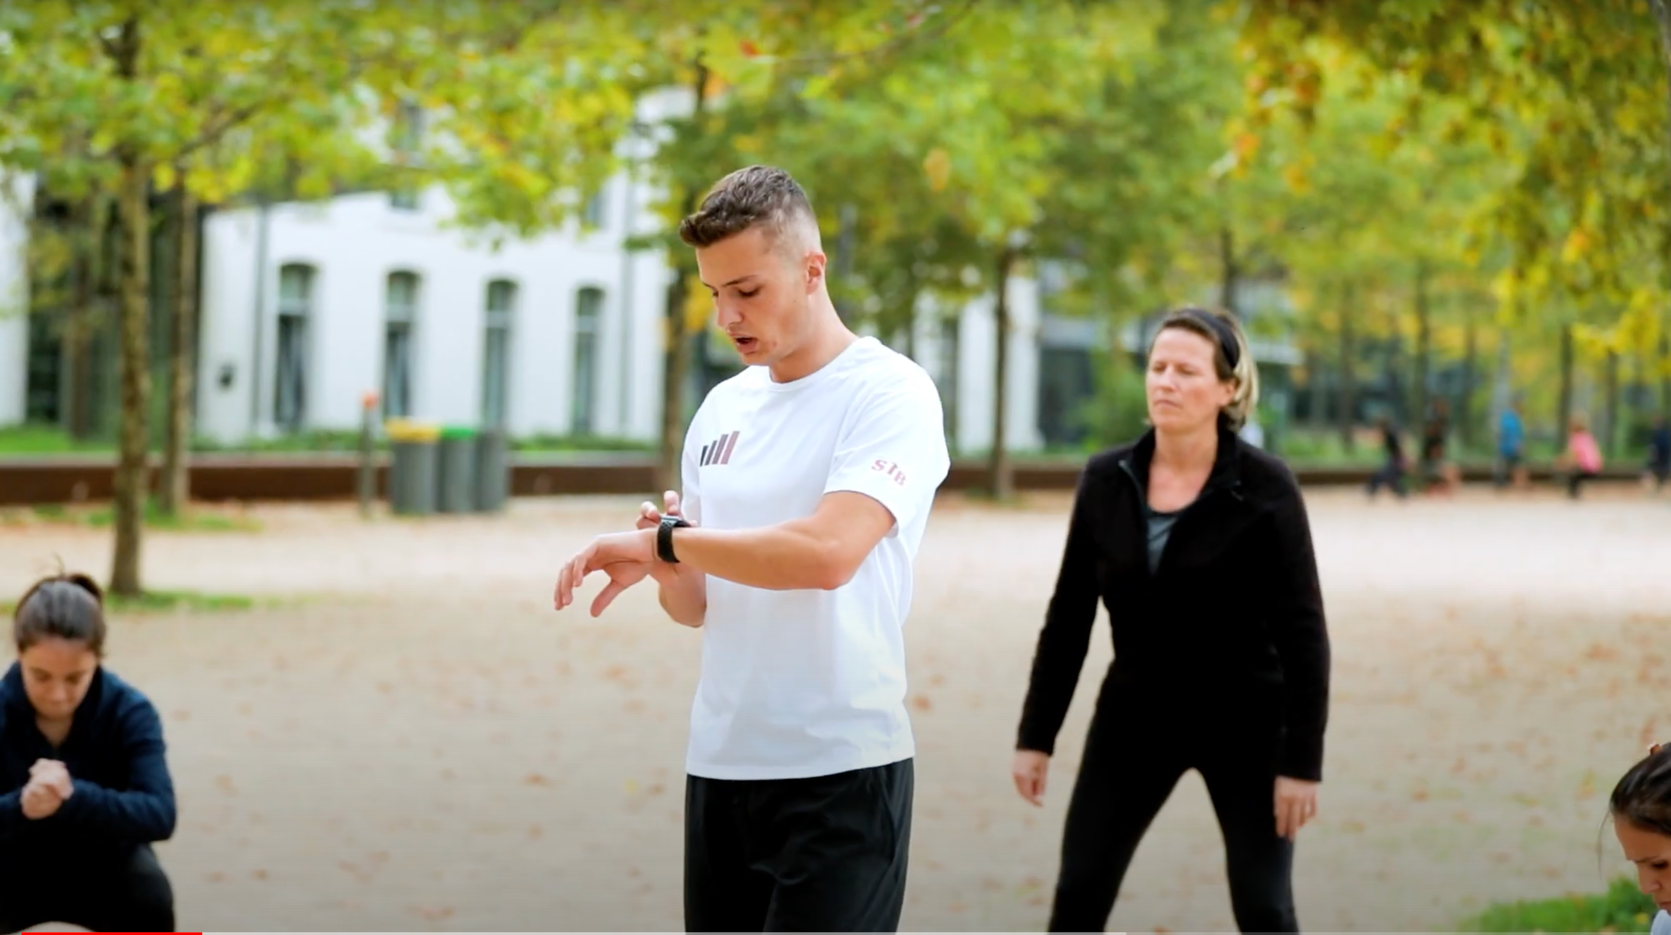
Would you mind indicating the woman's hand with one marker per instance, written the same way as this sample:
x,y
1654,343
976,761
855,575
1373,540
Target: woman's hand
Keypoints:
x,y
49,785
1296,804
1030,770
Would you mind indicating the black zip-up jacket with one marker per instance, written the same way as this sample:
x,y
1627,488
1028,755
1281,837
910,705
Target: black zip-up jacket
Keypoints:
x,y
1232,616
123,795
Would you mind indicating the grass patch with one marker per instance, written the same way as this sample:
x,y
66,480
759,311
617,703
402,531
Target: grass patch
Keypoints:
x,y
47,440
1623,908
188,520
152,602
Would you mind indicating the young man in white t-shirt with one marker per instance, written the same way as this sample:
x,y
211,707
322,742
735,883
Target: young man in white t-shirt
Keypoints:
x,y
808,480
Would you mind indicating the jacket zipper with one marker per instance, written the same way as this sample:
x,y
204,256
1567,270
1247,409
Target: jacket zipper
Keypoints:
x,y
1209,490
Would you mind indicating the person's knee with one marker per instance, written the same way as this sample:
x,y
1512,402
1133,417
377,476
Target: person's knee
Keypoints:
x,y
150,895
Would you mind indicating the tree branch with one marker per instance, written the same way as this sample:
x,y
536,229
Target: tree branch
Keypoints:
x,y
918,34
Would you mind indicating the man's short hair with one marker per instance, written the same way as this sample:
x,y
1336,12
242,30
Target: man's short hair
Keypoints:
x,y
755,196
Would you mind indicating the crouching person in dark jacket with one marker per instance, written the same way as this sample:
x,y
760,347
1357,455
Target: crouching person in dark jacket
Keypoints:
x,y
84,784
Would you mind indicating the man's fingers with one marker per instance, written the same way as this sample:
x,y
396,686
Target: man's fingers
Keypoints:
x,y
671,498
609,593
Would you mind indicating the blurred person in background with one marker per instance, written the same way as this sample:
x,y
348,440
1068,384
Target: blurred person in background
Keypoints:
x,y
1511,448
1659,455
84,772
1200,548
1582,460
1391,474
1440,475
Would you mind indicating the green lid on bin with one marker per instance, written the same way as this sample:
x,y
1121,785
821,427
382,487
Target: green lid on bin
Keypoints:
x,y
457,432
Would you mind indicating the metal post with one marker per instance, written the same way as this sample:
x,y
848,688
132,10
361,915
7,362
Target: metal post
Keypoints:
x,y
368,473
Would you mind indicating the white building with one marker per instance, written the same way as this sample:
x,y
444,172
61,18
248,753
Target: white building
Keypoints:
x,y
305,308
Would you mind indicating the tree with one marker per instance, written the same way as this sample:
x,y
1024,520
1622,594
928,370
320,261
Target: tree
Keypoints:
x,y
1572,97
736,63
125,77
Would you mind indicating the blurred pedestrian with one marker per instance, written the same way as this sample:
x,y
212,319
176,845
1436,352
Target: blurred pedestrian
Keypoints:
x,y
1391,474
1659,454
1200,548
85,774
808,482
1511,448
1438,473
1583,458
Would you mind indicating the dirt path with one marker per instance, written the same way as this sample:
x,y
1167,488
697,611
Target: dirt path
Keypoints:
x,y
423,744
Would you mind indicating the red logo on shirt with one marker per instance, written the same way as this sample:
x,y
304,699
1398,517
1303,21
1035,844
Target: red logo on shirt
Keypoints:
x,y
719,450
891,469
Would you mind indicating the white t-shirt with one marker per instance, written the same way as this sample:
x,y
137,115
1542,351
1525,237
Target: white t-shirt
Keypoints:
x,y
811,682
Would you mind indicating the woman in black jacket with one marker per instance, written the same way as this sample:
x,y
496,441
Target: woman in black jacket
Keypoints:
x,y
84,782
1200,549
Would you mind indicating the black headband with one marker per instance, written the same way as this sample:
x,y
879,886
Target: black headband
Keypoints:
x,y
1226,337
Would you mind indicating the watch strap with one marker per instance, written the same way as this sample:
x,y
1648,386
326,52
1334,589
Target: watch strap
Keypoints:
x,y
664,538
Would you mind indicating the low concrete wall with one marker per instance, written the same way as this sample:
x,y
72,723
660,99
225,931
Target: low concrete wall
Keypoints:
x,y
47,480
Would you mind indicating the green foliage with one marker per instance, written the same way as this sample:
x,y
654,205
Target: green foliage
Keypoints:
x,y
1118,412
1623,908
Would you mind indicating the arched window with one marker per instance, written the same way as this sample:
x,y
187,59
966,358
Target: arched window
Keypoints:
x,y
295,309
496,352
588,318
400,316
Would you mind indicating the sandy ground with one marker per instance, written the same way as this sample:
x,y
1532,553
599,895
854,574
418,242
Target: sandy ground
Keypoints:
x,y
421,743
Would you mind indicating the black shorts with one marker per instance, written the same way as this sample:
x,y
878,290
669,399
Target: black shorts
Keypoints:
x,y
823,854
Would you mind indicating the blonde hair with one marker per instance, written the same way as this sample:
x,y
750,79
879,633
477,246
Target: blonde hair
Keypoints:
x,y
1218,327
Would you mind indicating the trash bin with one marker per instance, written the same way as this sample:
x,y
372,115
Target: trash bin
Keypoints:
x,y
493,470
412,467
456,479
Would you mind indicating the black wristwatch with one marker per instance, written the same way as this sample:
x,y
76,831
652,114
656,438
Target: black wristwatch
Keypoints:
x,y
664,537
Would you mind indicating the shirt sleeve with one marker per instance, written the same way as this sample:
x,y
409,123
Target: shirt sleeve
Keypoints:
x,y
892,448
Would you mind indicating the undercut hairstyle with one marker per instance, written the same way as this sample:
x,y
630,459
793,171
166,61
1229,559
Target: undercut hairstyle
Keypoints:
x,y
64,606
755,196
1231,357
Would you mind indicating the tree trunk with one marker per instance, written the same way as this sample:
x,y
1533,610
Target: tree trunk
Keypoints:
x,y
175,490
132,480
1665,375
86,229
1424,344
1563,414
1227,262
675,370
1315,368
1348,396
1470,350
1000,473
1662,14
675,358
1610,441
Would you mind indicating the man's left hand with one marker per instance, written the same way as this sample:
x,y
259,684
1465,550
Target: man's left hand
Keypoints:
x,y
626,557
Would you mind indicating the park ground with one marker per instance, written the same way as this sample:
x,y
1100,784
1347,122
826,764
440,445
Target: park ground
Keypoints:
x,y
402,735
